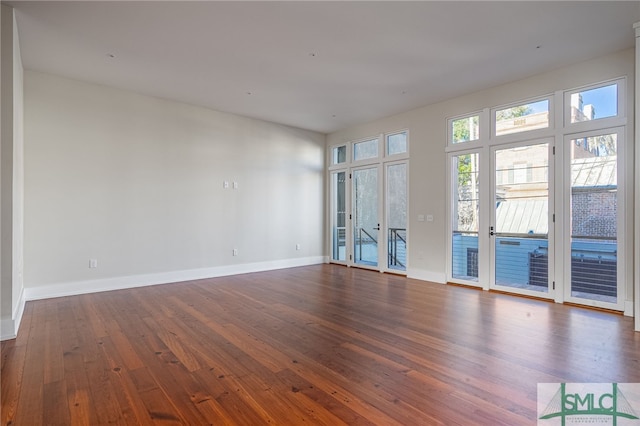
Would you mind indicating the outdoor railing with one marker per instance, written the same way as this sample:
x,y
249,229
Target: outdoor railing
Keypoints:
x,y
360,239
523,258
395,235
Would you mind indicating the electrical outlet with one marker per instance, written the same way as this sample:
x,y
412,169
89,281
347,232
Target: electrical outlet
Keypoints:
x,y
93,263
235,252
298,246
225,184
235,185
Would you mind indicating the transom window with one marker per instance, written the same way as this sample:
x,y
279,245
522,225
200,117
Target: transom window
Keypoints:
x,y
396,143
339,154
465,129
593,103
520,118
365,150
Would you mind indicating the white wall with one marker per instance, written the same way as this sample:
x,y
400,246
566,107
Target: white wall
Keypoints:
x,y
137,183
428,139
12,183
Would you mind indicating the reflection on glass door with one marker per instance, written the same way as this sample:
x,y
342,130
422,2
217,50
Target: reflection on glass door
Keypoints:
x,y
396,196
338,216
593,213
366,225
521,222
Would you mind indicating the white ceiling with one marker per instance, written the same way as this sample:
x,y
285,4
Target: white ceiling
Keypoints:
x,y
316,65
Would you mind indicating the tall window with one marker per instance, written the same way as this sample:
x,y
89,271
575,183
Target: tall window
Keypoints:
x,y
594,217
338,216
465,209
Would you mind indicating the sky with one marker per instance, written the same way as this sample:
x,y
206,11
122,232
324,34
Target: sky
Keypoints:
x,y
604,99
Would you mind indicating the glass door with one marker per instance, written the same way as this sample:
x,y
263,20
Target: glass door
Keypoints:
x,y
519,231
365,216
594,210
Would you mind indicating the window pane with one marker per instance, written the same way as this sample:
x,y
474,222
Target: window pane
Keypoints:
x,y
466,185
522,118
594,248
397,144
338,219
397,216
339,154
465,129
366,149
595,103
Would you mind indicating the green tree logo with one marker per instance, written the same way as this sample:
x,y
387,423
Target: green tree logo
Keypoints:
x,y
566,404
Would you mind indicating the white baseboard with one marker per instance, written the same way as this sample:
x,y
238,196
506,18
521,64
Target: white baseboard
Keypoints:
x,y
7,329
420,274
628,308
9,326
132,281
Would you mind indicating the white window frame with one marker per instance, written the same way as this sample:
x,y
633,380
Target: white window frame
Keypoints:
x,y
557,132
381,161
622,239
330,162
551,234
524,134
401,155
470,144
378,158
599,123
482,220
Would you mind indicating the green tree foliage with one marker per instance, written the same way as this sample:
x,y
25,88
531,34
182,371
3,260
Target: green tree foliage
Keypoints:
x,y
462,130
464,170
515,112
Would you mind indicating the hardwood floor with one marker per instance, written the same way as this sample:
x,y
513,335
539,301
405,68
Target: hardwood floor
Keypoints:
x,y
321,344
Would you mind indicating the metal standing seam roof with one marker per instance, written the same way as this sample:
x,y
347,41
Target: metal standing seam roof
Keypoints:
x,y
593,172
523,216
530,215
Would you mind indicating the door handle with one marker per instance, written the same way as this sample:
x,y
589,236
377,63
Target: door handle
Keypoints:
x,y
378,228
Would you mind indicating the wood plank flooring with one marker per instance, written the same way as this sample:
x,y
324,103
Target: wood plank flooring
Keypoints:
x,y
323,344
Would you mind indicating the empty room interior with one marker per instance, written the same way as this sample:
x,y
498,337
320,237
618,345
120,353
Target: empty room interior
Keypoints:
x,y
393,213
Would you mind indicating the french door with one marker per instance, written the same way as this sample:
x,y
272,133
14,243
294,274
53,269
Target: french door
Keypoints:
x,y
521,228
524,254
365,217
369,216
538,201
